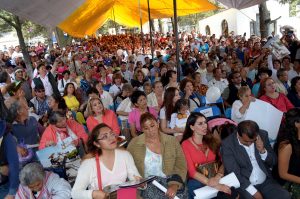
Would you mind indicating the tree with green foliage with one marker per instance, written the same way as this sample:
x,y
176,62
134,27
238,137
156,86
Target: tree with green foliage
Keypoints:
x,y
31,30
14,22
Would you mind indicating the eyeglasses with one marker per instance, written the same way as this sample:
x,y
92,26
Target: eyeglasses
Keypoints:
x,y
107,136
40,91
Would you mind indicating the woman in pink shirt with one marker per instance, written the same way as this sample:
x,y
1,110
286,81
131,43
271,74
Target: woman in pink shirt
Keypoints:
x,y
201,149
269,94
61,67
61,128
97,114
139,100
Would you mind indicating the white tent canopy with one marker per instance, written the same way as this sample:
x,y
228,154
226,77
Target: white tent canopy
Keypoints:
x,y
240,4
48,13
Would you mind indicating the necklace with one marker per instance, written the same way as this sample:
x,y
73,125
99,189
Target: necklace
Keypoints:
x,y
200,147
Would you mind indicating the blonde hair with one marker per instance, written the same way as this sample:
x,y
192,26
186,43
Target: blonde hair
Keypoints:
x,y
242,91
90,112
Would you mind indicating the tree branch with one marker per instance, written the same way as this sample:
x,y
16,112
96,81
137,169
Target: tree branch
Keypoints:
x,y
7,20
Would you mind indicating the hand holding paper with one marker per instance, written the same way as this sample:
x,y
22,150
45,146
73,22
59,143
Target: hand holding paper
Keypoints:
x,y
162,188
207,192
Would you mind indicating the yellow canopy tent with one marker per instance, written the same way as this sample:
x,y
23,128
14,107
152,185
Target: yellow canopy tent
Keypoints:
x,y
83,17
92,14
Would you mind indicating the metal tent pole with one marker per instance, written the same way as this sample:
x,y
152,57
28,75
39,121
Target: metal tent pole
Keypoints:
x,y
176,39
115,20
149,18
142,34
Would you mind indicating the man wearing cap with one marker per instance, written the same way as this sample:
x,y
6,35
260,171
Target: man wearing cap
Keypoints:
x,y
19,77
46,79
155,68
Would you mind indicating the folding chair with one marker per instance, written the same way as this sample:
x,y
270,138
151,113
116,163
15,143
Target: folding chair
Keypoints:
x,y
228,113
219,103
209,112
106,87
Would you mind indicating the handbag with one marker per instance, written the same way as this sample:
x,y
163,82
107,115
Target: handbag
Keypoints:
x,y
209,169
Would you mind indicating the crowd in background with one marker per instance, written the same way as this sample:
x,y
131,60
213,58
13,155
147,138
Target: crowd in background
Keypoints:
x,y
95,90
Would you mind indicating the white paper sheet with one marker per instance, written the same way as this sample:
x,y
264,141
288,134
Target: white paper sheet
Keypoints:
x,y
162,188
208,112
266,116
209,192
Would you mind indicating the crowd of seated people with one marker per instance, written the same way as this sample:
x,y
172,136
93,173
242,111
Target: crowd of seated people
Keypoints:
x,y
97,90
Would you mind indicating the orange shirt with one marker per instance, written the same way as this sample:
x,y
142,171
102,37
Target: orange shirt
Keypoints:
x,y
109,118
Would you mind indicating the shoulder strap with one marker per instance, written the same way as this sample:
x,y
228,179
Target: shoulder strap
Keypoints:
x,y
98,172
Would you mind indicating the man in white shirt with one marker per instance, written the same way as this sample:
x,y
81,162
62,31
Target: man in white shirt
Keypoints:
x,y
128,75
16,53
218,81
45,79
249,155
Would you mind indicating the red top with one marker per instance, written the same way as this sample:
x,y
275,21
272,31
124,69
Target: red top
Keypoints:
x,y
50,133
109,118
282,103
195,157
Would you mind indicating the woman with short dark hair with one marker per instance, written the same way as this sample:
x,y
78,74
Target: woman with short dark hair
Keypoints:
x,y
139,100
61,128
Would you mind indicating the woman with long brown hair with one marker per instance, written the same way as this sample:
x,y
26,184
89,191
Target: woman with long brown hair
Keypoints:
x,y
104,165
170,98
201,151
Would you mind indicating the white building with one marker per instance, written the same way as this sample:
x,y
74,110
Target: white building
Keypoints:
x,y
247,20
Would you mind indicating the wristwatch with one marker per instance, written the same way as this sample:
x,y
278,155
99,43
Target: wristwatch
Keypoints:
x,y
264,151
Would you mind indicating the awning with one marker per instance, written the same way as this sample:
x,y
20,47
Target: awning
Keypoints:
x,y
83,17
240,4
